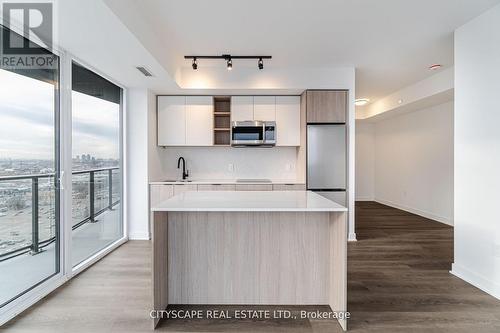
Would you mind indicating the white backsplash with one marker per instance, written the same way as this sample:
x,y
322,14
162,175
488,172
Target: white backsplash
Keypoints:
x,y
206,163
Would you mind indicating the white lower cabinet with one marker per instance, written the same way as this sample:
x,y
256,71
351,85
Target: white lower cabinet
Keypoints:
x,y
216,187
254,187
159,193
180,188
289,187
162,192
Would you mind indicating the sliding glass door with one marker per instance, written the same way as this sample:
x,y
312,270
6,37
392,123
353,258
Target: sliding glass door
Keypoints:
x,y
39,246
96,152
29,170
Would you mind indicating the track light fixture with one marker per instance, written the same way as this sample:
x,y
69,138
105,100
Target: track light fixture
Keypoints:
x,y
229,60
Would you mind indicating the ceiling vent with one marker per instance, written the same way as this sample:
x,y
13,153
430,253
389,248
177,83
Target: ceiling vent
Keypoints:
x,y
144,71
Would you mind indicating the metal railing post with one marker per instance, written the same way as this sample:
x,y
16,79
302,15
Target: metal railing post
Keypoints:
x,y
36,245
34,217
110,189
92,195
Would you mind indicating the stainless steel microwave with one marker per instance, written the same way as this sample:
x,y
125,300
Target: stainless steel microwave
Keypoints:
x,y
253,133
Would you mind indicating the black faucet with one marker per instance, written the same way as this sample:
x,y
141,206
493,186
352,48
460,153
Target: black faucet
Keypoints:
x,y
185,173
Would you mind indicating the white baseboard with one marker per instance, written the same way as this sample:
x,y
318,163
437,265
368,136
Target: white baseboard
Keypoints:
x,y
478,281
364,199
416,211
352,237
139,236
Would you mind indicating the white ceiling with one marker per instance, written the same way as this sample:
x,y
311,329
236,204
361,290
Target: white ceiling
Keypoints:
x,y
390,42
92,33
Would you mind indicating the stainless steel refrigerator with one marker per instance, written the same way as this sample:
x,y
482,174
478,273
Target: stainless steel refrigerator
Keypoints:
x,y
327,161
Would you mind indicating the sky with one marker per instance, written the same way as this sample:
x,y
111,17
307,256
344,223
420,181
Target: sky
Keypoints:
x,y
27,121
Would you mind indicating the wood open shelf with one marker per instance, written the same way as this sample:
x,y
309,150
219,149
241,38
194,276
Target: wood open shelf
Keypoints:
x,y
222,120
222,138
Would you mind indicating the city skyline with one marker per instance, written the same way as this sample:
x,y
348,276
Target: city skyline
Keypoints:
x,y
3,158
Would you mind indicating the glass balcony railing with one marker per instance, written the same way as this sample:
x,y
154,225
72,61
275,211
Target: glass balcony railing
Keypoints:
x,y
28,212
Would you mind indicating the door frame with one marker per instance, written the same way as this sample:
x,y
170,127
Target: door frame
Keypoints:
x,y
71,271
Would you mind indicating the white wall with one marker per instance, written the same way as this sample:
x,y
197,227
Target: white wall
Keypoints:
x,y
278,78
414,162
155,153
477,152
406,161
365,161
277,163
137,164
433,90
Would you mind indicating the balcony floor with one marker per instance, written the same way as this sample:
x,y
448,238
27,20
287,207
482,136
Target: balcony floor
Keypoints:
x,y
26,270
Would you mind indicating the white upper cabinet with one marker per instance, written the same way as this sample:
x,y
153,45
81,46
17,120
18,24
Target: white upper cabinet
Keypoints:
x,y
241,108
189,120
199,121
171,120
264,108
288,120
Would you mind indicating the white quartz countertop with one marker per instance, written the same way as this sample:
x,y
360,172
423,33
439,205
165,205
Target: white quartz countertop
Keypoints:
x,y
248,201
225,182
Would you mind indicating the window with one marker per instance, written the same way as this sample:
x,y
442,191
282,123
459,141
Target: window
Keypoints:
x,y
33,246
96,209
29,169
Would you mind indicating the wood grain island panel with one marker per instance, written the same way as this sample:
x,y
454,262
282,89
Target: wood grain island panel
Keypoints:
x,y
283,256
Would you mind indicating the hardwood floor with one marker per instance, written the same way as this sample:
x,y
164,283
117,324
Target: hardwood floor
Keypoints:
x,y
398,282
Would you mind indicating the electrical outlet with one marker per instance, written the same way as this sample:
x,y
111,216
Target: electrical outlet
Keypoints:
x,y
230,167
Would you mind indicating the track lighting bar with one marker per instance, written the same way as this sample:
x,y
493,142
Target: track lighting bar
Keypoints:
x,y
228,58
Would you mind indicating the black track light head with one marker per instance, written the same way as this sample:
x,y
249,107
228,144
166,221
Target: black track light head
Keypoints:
x,y
261,63
195,64
229,64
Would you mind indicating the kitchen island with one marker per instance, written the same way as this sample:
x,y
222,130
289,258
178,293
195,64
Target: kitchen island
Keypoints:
x,y
252,248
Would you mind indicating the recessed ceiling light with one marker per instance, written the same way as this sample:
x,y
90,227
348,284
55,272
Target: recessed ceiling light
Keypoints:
x,y
400,101
435,67
361,101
